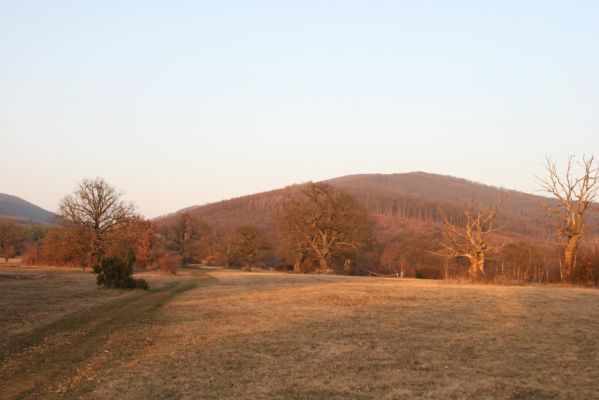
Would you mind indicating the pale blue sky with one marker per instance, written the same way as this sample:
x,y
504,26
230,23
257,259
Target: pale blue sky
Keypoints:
x,y
185,102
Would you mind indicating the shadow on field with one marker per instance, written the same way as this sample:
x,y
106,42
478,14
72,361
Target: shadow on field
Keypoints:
x,y
56,355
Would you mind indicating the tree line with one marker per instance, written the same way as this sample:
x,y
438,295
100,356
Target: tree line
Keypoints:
x,y
319,228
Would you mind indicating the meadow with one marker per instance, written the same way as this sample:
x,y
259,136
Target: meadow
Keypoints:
x,y
222,334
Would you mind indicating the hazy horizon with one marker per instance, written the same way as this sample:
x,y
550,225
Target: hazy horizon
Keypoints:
x,y
200,102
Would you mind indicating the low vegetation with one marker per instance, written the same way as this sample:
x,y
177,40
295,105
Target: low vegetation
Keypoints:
x,y
221,333
230,335
113,272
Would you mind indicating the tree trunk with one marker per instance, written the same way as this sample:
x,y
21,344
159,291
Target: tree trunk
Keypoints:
x,y
477,268
347,266
324,266
569,263
89,262
297,266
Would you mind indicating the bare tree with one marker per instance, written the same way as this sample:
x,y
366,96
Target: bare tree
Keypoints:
x,y
220,244
188,237
11,236
250,243
323,222
98,207
471,241
575,195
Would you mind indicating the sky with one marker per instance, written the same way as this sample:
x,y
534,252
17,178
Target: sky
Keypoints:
x,y
179,103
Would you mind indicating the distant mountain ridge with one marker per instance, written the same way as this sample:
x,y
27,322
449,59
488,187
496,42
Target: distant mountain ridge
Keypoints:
x,y
13,208
401,197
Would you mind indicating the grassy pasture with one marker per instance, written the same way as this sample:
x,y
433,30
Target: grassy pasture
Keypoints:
x,y
219,334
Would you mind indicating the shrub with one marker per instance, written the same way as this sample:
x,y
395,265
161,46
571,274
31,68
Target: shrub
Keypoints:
x,y
116,273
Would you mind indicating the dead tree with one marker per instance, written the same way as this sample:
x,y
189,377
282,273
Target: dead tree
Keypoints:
x,y
471,241
575,196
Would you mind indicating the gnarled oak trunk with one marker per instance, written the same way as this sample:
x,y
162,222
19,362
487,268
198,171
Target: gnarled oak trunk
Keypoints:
x,y
569,264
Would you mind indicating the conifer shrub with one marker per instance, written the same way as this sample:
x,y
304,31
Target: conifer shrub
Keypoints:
x,y
114,272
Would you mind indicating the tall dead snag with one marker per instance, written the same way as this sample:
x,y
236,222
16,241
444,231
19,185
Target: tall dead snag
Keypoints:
x,y
323,223
575,196
471,241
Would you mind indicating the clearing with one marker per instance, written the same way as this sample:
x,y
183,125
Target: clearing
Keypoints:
x,y
218,334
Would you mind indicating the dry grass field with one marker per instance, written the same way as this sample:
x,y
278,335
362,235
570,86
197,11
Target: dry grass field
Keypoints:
x,y
234,335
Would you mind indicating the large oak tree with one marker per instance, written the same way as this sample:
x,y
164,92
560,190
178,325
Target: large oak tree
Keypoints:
x,y
472,239
250,243
188,237
322,223
99,208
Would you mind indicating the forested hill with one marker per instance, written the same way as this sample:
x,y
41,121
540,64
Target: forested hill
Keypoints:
x,y
15,209
420,195
406,199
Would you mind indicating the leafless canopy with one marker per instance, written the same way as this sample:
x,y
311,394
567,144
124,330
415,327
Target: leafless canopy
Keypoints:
x,y
97,208
471,241
188,237
323,222
575,195
251,244
96,205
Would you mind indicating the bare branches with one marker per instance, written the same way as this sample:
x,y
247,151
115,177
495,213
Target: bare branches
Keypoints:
x,y
323,222
96,205
575,194
251,244
98,208
471,241
188,237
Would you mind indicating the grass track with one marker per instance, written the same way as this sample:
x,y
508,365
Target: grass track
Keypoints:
x,y
53,353
282,336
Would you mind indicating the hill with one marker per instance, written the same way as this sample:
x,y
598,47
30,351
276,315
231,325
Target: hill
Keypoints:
x,y
15,209
413,198
420,195
407,212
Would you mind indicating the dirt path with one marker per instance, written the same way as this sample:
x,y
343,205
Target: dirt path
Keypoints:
x,y
53,358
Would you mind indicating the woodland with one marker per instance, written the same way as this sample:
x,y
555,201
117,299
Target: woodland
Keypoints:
x,y
401,225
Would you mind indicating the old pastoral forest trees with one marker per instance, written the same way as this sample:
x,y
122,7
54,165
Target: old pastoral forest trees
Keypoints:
x,y
471,241
353,225
188,238
250,244
96,210
324,223
575,195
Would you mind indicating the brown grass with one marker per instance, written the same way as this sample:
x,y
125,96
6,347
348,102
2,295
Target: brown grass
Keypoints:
x,y
260,335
